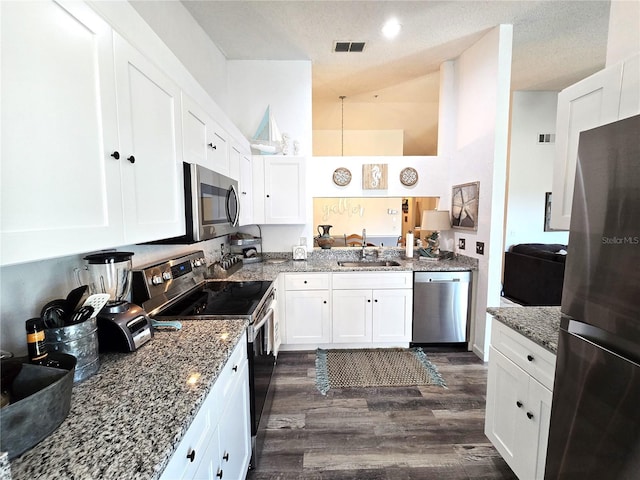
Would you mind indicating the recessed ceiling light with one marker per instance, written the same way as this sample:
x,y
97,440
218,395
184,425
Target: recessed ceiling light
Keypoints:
x,y
391,28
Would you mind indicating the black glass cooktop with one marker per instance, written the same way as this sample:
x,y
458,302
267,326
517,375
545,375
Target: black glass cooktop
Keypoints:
x,y
219,299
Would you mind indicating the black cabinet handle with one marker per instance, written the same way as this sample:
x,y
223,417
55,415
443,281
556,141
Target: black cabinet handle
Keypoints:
x,y
244,193
368,300
191,455
324,302
219,474
116,155
519,404
235,368
212,146
225,457
268,195
376,300
530,358
132,159
305,282
530,415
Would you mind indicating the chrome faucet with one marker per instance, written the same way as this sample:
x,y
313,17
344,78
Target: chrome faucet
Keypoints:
x,y
364,242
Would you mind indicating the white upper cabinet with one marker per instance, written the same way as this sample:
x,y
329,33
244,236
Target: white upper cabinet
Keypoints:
x,y
607,96
279,189
205,142
246,187
150,147
60,191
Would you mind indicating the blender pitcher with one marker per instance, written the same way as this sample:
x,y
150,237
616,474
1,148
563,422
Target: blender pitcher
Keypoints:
x,y
109,272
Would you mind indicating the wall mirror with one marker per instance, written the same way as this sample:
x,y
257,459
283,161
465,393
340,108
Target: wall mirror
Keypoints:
x,y
386,219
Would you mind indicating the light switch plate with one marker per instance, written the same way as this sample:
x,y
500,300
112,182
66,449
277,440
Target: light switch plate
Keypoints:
x,y
480,248
461,244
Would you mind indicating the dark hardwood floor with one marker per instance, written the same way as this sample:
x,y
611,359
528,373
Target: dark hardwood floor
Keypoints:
x,y
408,433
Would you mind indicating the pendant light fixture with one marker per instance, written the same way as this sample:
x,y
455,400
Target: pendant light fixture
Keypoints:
x,y
342,97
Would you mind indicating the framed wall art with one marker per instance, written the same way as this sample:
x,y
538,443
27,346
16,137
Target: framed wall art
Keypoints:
x,y
374,176
464,206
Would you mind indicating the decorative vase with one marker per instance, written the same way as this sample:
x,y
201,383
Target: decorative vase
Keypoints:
x,y
324,239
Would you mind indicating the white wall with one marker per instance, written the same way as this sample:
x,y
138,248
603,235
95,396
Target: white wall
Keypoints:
x,y
480,99
284,85
530,169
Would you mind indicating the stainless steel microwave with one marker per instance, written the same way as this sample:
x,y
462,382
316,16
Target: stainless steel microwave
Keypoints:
x,y
212,205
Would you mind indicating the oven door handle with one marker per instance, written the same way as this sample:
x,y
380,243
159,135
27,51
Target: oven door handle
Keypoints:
x,y
264,320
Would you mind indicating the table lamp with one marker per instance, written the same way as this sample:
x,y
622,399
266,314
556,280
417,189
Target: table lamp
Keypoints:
x,y
435,221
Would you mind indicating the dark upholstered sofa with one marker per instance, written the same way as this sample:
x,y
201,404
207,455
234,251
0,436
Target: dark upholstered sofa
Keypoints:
x,y
534,272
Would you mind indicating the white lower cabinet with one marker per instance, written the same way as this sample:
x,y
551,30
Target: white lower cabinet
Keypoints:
x,y
372,307
217,445
307,316
351,308
518,401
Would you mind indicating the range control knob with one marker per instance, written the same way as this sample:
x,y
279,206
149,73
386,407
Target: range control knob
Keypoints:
x,y
198,262
166,276
156,280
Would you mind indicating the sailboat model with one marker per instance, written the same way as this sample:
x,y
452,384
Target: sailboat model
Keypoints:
x,y
267,139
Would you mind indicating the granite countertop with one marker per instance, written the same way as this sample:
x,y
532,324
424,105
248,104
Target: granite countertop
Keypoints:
x,y
327,261
539,324
127,420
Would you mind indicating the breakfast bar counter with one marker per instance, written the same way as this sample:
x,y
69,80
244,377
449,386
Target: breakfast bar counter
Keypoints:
x,y
126,420
539,324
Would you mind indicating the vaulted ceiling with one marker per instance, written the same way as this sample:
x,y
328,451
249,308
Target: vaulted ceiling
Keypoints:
x,y
555,43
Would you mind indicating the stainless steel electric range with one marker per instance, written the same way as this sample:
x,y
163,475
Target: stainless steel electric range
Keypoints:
x,y
177,289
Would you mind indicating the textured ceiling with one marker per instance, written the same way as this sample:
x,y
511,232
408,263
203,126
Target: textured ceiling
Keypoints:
x,y
555,43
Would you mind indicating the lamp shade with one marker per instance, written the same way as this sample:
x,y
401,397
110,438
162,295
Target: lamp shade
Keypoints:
x,y
435,220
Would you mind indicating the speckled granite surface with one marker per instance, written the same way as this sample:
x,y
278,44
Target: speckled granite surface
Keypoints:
x,y
540,324
5,470
126,420
327,261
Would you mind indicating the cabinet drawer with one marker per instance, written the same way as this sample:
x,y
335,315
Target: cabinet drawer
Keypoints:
x,y
306,281
232,369
193,444
532,358
363,280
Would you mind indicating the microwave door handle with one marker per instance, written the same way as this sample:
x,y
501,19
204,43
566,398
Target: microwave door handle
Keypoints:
x,y
236,218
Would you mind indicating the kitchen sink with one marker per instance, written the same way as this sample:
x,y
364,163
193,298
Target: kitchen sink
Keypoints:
x,y
365,263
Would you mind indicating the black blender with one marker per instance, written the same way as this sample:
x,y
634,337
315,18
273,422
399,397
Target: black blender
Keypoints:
x,y
122,326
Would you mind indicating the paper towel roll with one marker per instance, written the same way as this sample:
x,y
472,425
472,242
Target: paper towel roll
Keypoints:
x,y
409,245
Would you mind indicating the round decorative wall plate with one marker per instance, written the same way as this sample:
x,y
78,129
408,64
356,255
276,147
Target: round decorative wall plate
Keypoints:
x,y
409,176
342,176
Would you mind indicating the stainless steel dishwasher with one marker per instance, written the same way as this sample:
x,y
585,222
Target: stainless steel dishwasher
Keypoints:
x,y
441,307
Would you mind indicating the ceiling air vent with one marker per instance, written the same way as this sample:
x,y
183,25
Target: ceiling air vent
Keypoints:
x,y
349,47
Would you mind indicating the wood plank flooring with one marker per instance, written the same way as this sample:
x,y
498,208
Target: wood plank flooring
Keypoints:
x,y
407,433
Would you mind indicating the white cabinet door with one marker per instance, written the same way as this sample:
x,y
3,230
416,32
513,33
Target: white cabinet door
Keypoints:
x,y
60,191
234,431
246,189
538,418
307,317
352,316
589,103
194,132
284,190
218,150
150,147
392,315
507,389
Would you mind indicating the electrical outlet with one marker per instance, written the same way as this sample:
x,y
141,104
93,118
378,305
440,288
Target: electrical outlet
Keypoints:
x,y
480,248
461,244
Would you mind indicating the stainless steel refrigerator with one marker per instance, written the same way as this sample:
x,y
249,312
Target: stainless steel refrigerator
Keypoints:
x,y
595,414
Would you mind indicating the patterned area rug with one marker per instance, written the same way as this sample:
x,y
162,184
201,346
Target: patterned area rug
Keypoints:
x,y
374,367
